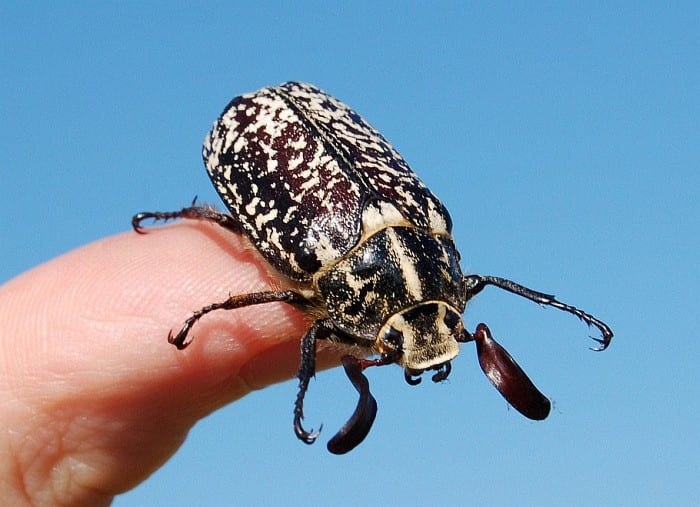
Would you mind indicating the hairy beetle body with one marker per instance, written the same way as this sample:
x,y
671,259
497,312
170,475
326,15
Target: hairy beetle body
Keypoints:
x,y
330,205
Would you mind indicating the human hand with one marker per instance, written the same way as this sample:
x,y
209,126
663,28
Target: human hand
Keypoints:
x,y
94,398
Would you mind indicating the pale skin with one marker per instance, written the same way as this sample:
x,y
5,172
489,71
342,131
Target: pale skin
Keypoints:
x,y
93,397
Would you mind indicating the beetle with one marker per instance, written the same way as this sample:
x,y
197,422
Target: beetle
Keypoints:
x,y
364,245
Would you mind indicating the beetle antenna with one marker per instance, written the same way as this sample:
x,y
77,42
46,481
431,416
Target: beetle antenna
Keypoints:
x,y
356,429
506,376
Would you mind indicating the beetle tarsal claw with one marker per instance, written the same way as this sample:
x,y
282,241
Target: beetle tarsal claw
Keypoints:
x,y
356,429
180,339
604,342
506,376
308,437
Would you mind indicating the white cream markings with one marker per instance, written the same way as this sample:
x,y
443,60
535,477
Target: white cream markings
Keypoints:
x,y
408,267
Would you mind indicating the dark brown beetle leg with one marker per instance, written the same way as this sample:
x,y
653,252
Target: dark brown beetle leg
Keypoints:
x,y
319,330
193,211
181,341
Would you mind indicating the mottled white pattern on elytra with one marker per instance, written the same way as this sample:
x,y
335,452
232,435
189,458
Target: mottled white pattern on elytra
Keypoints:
x,y
291,210
378,215
326,251
371,152
296,168
261,220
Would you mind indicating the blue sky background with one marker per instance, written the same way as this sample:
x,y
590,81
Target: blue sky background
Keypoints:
x,y
565,141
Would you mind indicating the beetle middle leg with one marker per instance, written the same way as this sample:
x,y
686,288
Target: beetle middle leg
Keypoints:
x,y
239,301
319,330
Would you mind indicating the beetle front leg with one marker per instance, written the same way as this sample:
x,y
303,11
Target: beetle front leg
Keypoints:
x,y
473,284
319,330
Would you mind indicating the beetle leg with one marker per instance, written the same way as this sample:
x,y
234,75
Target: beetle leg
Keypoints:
x,y
255,298
192,212
506,376
319,330
473,284
357,427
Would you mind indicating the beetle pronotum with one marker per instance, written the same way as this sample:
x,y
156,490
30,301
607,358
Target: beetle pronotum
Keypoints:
x,y
332,207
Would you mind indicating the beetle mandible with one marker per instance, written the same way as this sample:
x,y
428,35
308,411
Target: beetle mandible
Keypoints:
x,y
332,207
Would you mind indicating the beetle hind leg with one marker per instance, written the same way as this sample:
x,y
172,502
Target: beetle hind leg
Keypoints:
x,y
192,212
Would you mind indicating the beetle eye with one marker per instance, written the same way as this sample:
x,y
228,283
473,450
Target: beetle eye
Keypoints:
x,y
394,337
451,319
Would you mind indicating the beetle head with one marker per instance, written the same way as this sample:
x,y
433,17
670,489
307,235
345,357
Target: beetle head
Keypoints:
x,y
422,337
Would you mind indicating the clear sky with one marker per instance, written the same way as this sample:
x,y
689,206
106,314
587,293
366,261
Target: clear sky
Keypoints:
x,y
564,140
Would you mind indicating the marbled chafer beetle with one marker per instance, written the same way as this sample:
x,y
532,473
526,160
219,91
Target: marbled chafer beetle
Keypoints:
x,y
332,207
